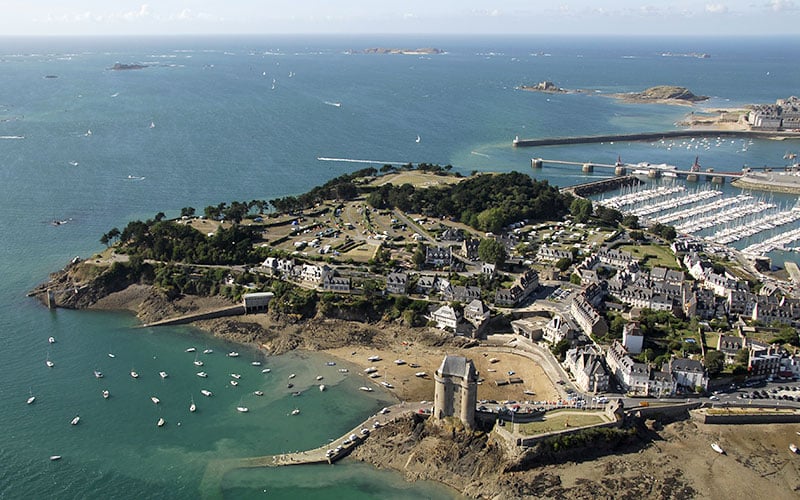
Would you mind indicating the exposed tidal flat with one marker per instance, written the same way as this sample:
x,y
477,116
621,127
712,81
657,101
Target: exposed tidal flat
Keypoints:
x,y
221,132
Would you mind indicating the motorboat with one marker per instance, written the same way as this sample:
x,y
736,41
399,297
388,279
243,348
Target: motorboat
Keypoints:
x,y
793,448
98,374
55,457
106,394
717,448
387,384
112,355
192,407
163,374
255,363
75,420
321,387
296,393
371,369
49,363
258,393
31,399
155,399
191,349
343,370
134,374
202,374
420,374
208,351
374,358
399,362
289,386
319,377
292,375
374,375
365,388
51,340
331,363
296,411
197,362
233,354
234,383
266,370
206,393
242,409
161,422
236,376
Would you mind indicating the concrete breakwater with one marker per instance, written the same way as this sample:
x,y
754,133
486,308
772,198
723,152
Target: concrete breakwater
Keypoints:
x,y
653,136
601,186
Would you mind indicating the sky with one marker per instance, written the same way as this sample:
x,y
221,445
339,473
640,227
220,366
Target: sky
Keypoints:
x,y
532,17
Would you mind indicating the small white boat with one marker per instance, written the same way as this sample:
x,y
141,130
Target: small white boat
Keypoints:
x,y
717,448
242,409
371,369
152,125
49,363
112,355
191,349
387,384
420,374
106,394
161,422
233,354
343,370
374,358
192,407
296,411
163,374
399,362
202,374
322,387
206,393
73,163
365,388
331,363
98,374
258,393
134,374
197,362
31,399
793,448
319,377
55,457
418,139
155,399
255,363
236,376
234,383
208,351
75,420
88,132
51,340
266,370
292,375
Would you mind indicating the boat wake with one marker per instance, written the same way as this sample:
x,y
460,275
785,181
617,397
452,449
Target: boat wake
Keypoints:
x,y
12,136
479,154
134,178
334,104
353,160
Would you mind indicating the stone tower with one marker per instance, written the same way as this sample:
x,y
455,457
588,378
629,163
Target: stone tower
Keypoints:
x,y
456,391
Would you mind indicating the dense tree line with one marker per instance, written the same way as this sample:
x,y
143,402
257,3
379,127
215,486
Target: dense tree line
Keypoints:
x,y
340,188
485,202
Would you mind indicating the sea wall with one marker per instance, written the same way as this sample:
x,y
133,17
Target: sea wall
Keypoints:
x,y
652,136
747,418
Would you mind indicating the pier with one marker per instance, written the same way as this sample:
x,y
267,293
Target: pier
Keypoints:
x,y
652,136
650,170
329,453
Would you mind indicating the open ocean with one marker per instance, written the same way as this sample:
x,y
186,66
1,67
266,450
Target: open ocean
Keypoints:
x,y
221,132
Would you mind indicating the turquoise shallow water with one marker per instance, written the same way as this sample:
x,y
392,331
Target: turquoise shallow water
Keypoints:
x,y
223,133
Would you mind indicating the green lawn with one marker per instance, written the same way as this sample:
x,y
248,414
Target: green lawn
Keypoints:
x,y
562,419
652,255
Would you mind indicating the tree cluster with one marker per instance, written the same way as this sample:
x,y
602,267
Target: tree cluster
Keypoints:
x,y
485,202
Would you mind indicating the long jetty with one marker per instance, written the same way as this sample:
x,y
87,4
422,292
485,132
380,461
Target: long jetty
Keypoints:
x,y
621,169
652,136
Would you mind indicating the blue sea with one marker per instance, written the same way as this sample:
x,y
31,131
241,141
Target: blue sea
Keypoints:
x,y
240,118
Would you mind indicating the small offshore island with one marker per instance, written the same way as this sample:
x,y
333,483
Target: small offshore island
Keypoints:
x,y
522,293
125,67
661,94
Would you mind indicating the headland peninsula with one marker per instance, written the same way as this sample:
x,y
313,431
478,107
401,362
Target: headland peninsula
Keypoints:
x,y
412,263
